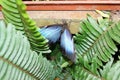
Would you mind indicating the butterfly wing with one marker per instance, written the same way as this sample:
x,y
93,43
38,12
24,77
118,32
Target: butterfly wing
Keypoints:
x,y
52,33
67,44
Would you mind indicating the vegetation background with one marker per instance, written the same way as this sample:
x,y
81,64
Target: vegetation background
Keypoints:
x,y
25,53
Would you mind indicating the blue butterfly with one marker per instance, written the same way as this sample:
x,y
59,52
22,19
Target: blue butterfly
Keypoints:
x,y
51,32
67,44
58,32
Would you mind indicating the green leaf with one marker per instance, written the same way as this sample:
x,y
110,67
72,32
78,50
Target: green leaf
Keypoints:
x,y
14,11
96,43
114,32
81,73
0,2
111,71
17,60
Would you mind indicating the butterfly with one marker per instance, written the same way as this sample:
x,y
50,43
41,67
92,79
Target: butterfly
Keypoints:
x,y
59,32
51,32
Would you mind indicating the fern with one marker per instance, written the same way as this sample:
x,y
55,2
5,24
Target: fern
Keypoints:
x,y
110,71
17,60
14,11
95,45
81,73
60,64
96,41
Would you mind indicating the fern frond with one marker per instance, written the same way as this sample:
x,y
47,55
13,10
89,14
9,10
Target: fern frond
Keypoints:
x,y
60,64
14,11
114,32
81,73
96,41
111,71
17,60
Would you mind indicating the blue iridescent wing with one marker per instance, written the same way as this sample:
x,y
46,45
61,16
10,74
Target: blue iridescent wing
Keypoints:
x,y
52,33
67,44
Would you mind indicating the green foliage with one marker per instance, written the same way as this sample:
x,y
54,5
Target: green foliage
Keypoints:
x,y
61,65
14,11
0,1
96,41
110,71
81,73
17,60
95,45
